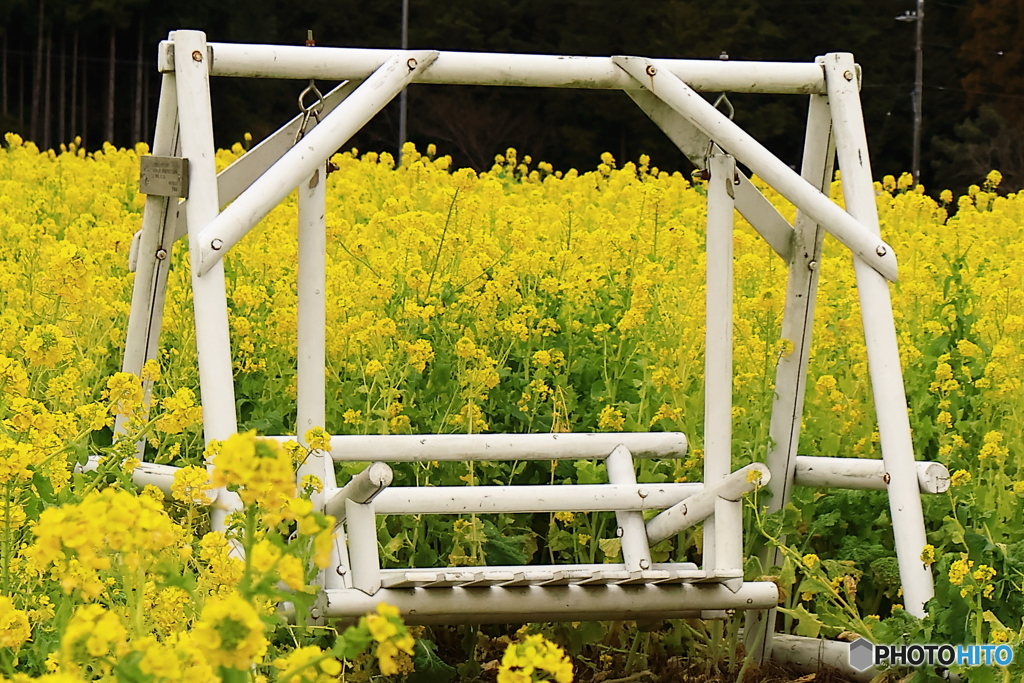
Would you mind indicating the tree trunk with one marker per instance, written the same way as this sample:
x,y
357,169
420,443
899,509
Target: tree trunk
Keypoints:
x,y
33,128
109,133
62,109
137,117
145,104
4,67
21,88
84,101
74,84
48,91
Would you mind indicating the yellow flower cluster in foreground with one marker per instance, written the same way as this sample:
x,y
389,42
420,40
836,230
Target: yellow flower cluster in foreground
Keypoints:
x,y
535,660
518,299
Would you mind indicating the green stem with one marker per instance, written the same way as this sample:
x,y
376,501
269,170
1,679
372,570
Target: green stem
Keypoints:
x,y
248,542
631,657
5,550
440,245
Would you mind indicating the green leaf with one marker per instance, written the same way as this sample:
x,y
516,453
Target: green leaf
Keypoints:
x,y
127,669
43,486
353,641
559,540
787,577
429,668
590,472
978,545
584,634
505,550
808,624
611,547
985,674
814,585
823,523
791,519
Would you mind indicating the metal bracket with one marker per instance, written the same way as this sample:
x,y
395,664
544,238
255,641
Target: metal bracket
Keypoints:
x,y
163,176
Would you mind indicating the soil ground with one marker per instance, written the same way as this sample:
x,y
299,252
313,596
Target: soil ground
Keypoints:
x,y
453,643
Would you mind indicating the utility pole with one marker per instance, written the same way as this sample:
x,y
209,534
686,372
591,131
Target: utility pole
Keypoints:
x,y
403,98
918,17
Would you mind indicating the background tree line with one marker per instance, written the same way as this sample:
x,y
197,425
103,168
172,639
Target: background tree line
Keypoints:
x,y
87,67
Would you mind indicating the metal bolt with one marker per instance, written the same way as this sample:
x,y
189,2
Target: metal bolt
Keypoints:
x,y
651,70
812,265
411,63
644,564
341,570
217,244
886,477
750,601
880,250
161,254
315,612
684,508
643,493
619,532
197,56
848,75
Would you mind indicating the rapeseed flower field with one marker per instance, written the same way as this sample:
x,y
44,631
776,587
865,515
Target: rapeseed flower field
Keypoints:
x,y
520,299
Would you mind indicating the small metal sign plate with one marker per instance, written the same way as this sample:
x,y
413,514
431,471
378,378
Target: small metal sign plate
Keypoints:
x,y
163,176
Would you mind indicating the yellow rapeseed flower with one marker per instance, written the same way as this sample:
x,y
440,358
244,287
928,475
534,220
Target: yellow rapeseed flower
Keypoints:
x,y
14,626
960,478
318,440
534,659
611,418
93,636
192,486
959,570
230,632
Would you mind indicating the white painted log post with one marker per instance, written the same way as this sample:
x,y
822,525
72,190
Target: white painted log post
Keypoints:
x,y
213,343
791,371
153,258
880,339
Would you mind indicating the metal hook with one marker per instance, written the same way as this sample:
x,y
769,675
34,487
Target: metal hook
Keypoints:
x,y
312,110
723,98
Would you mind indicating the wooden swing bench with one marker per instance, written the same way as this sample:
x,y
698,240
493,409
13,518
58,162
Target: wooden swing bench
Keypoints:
x,y
182,166
636,588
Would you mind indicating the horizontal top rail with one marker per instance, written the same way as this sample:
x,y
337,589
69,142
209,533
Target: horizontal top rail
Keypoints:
x,y
449,447
486,68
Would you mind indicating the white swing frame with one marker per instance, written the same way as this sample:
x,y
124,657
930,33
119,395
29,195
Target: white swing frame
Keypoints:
x,y
667,91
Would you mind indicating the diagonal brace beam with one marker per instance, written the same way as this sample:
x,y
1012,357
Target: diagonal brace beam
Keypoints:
x,y
867,246
751,204
298,163
362,489
233,180
699,507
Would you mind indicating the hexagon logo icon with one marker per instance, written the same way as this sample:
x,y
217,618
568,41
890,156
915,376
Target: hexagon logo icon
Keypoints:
x,y
862,654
